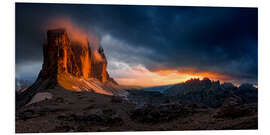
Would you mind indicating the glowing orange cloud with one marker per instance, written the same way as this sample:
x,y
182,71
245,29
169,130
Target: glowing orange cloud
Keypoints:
x,y
76,33
195,74
141,76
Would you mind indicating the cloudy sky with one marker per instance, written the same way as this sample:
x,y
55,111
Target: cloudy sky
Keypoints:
x,y
151,45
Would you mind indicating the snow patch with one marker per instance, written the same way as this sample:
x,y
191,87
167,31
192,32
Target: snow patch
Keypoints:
x,y
40,97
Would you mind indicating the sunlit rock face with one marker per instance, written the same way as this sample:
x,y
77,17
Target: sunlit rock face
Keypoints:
x,y
73,62
62,55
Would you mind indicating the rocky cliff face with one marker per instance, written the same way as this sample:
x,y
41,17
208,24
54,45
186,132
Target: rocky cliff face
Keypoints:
x,y
62,55
73,64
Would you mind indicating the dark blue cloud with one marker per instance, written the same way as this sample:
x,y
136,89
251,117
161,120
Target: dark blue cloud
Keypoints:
x,y
219,39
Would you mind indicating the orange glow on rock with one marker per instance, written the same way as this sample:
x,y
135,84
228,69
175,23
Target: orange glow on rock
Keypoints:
x,y
86,63
76,51
72,83
97,56
104,73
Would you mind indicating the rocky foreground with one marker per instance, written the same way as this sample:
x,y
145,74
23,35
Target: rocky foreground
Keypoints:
x,y
70,111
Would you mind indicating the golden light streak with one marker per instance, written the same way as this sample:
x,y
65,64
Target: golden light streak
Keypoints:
x,y
146,78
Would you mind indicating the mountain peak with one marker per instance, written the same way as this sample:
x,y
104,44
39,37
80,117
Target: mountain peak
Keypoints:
x,y
73,65
63,55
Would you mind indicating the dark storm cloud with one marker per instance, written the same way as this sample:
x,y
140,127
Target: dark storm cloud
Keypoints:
x,y
203,38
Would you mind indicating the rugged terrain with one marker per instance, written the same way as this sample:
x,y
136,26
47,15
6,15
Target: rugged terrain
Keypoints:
x,y
74,93
70,111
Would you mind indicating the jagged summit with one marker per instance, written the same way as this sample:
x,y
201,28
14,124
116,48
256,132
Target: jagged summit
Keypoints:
x,y
63,55
74,64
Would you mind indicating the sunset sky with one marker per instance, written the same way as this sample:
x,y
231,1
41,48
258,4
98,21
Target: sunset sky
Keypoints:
x,y
151,45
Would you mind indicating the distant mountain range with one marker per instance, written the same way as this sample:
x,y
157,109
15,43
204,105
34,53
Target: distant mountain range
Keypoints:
x,y
207,92
158,88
